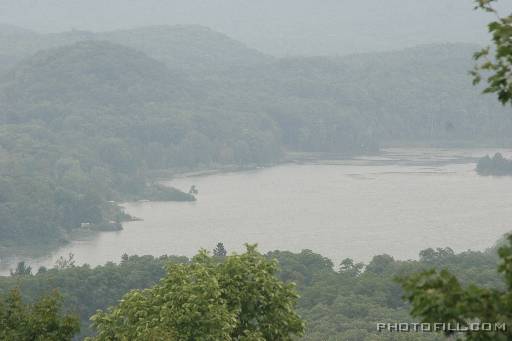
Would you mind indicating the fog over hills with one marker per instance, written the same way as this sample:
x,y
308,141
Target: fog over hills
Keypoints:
x,y
422,93
96,113
114,75
324,133
183,47
283,27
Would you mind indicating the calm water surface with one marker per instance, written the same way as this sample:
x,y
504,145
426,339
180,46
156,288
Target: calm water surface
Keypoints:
x,y
398,203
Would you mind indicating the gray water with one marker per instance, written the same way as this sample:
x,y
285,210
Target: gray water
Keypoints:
x,y
398,203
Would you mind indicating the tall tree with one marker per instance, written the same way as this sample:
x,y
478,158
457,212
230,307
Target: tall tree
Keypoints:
x,y
22,269
237,299
40,321
220,250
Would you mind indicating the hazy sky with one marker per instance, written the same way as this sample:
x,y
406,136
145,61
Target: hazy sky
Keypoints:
x,y
282,27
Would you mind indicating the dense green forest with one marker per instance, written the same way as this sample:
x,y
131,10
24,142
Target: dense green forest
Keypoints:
x,y
87,119
337,301
416,95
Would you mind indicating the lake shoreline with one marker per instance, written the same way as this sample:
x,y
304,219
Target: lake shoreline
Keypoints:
x,y
163,176
289,158
355,170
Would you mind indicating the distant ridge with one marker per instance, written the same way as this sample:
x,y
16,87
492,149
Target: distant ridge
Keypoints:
x,y
186,47
281,28
319,103
92,73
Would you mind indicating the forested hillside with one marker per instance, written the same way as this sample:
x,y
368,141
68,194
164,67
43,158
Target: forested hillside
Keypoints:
x,y
420,95
337,302
415,95
86,117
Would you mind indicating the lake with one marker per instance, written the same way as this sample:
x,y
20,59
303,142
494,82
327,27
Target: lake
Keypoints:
x,y
399,202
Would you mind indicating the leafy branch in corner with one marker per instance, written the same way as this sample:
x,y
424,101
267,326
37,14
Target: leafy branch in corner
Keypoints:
x,y
495,63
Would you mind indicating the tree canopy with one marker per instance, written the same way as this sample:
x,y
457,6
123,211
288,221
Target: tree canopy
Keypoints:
x,y
438,296
239,298
342,304
41,321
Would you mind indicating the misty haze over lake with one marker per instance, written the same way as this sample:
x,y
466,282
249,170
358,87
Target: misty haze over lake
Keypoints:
x,y
398,203
146,146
